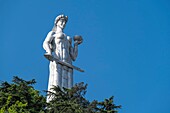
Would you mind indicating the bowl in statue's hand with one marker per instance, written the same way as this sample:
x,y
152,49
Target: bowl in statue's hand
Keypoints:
x,y
78,38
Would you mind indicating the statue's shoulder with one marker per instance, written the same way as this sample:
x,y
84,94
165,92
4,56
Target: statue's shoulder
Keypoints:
x,y
69,39
51,33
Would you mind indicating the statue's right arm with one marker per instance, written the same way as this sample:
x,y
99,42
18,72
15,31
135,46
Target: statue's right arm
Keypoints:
x,y
47,41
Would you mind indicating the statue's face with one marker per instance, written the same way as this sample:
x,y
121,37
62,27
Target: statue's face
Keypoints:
x,y
61,23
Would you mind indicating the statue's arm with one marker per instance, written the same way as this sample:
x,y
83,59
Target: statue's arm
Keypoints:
x,y
47,42
74,51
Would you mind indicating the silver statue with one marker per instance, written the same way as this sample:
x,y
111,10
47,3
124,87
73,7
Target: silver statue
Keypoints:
x,y
61,53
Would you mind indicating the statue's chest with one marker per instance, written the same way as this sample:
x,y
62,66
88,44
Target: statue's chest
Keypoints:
x,y
61,40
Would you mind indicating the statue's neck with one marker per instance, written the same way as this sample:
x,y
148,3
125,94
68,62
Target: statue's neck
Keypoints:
x,y
59,29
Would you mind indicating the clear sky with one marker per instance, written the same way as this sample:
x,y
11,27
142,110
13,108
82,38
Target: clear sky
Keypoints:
x,y
125,52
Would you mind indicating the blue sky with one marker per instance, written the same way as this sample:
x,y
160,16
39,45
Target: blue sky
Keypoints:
x,y
125,52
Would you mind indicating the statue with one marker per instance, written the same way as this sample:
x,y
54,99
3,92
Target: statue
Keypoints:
x,y
61,53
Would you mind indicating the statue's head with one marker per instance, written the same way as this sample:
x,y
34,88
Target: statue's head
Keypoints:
x,y
61,21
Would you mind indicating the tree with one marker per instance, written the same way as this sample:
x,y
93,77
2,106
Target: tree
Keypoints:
x,y
107,106
68,100
20,97
73,101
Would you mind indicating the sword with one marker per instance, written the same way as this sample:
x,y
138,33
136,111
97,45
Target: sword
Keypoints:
x,y
51,58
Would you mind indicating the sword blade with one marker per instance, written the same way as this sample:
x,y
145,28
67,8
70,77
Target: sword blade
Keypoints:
x,y
49,57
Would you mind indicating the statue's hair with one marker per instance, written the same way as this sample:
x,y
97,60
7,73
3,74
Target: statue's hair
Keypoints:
x,y
58,18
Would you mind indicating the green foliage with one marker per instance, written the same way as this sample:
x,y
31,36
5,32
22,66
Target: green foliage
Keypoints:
x,y
68,100
18,107
73,101
20,97
107,106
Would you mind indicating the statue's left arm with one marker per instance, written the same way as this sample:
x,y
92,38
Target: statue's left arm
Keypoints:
x,y
74,51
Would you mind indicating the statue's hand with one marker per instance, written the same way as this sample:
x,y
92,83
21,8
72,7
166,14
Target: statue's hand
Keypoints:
x,y
77,39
